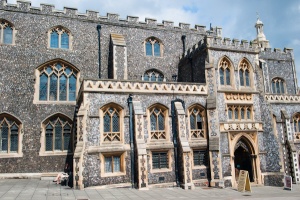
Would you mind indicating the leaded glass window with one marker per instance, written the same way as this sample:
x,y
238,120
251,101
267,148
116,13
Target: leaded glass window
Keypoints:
x,y
239,112
59,38
111,124
9,135
153,47
224,72
244,73
278,86
296,120
112,164
157,123
153,76
157,120
199,157
197,122
57,134
57,83
6,32
160,160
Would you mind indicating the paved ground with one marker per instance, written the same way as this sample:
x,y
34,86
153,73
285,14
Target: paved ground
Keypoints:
x,y
35,189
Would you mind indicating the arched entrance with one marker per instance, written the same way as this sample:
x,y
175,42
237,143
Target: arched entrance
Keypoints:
x,y
244,158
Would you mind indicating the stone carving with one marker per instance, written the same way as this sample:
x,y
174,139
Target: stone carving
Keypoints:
x,y
143,169
283,98
238,97
241,126
140,128
142,87
187,167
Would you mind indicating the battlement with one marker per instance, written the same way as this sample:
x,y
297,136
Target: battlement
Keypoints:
x,y
277,54
215,42
49,9
230,44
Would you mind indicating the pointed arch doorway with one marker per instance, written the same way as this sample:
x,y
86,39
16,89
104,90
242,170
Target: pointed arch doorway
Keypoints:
x,y
243,158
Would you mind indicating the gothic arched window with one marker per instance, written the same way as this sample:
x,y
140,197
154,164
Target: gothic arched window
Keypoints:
x,y
153,76
197,122
153,47
57,130
278,86
225,71
6,32
9,134
57,82
112,123
158,115
244,74
59,38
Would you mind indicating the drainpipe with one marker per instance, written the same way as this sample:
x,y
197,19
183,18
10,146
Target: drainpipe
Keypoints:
x,y
175,142
129,101
99,50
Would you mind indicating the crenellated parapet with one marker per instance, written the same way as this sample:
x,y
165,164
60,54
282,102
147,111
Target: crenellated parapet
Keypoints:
x,y
277,54
110,18
230,44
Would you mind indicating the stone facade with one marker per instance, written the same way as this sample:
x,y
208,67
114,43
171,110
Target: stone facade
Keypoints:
x,y
156,105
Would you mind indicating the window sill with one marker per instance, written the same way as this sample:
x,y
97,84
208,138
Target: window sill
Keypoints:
x,y
199,167
55,102
113,174
11,155
163,170
52,48
54,153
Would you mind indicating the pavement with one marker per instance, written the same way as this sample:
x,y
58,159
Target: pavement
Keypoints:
x,y
26,189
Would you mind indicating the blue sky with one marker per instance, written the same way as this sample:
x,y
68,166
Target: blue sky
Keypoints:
x,y
236,17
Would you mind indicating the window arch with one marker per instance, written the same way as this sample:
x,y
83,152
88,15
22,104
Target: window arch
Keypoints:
x,y
6,32
56,135
158,115
59,37
278,86
197,122
111,116
57,81
296,122
153,75
10,135
245,73
225,71
153,47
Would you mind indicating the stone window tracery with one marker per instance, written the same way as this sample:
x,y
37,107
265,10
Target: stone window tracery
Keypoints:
x,y
59,37
9,134
225,71
296,121
244,74
153,76
197,122
158,116
57,82
57,131
278,86
111,124
239,112
6,32
153,47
